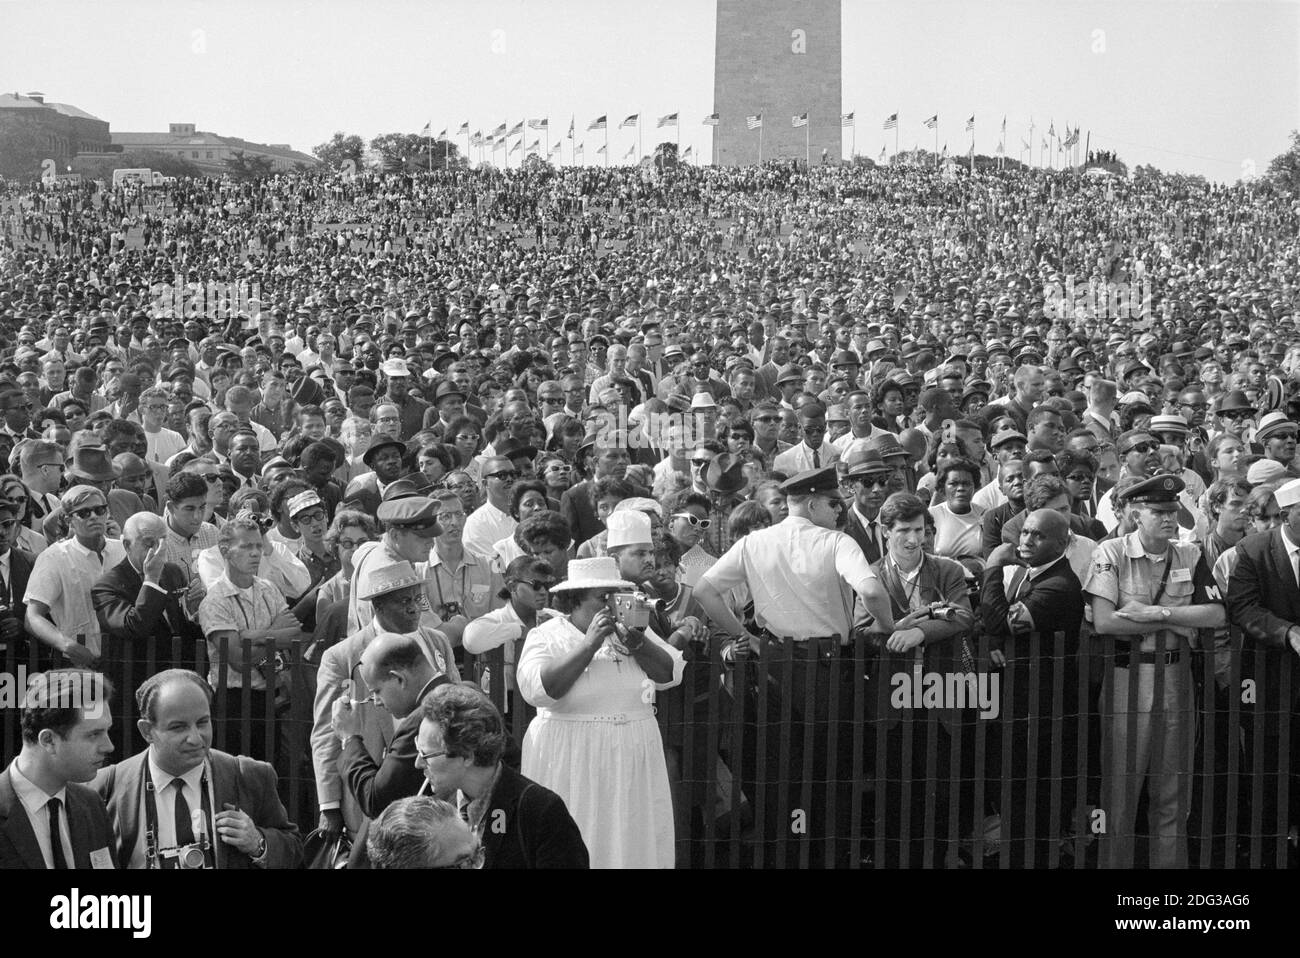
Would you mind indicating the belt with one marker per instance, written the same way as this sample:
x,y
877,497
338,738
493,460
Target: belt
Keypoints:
x,y
619,718
827,646
1122,659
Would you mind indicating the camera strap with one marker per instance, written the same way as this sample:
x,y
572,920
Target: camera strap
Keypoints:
x,y
152,852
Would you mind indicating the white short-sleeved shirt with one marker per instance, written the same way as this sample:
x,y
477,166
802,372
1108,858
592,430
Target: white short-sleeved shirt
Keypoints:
x,y
163,444
803,578
228,608
62,577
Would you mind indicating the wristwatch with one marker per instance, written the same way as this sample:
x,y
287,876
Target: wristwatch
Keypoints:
x,y
261,847
1166,613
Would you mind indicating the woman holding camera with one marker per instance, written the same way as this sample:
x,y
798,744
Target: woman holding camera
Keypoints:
x,y
592,674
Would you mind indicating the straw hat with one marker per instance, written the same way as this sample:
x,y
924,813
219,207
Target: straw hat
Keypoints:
x,y
598,573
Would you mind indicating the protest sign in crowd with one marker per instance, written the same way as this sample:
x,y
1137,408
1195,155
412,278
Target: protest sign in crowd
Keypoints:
x,y
485,471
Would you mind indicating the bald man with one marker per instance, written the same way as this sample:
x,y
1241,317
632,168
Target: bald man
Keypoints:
x,y
144,595
397,669
1029,594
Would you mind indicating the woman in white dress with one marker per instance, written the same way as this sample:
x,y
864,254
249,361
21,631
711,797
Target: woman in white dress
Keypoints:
x,y
595,741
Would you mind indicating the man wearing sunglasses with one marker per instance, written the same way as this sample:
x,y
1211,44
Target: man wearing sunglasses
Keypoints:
x,y
1139,454
59,609
492,522
41,463
866,476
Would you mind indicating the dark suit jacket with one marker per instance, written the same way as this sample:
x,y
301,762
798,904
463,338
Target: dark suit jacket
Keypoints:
x,y
1054,599
87,825
377,785
941,580
854,528
236,780
578,506
529,826
1264,603
131,612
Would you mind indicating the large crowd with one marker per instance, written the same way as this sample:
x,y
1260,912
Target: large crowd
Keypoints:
x,y
594,428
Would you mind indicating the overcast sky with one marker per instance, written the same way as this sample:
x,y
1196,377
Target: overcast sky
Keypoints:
x,y
1202,87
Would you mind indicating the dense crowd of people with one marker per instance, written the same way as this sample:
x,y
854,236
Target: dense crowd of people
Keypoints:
x,y
503,455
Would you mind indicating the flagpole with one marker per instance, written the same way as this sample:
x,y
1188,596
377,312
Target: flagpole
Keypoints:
x,y
807,148
638,138
936,141
972,146
760,138
606,141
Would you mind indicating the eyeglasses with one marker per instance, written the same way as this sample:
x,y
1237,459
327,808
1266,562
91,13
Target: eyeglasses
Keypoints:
x,y
316,515
700,463
472,859
425,756
693,520
504,476
1144,447
352,543
547,400
211,478
537,585
89,511
767,419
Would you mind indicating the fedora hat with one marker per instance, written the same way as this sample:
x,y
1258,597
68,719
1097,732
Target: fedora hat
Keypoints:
x,y
380,441
1236,401
725,474
598,573
91,464
386,579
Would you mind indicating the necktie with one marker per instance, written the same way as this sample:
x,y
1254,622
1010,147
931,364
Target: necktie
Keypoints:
x,y
817,459
56,840
1018,580
874,535
184,821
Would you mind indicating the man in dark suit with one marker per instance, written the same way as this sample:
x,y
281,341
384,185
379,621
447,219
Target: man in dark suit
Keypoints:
x,y
522,824
182,803
385,457
1029,594
15,570
609,457
1264,602
867,475
143,597
400,674
47,818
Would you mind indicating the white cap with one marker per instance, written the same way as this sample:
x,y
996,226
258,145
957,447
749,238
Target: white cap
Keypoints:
x,y
627,527
703,400
1288,495
395,367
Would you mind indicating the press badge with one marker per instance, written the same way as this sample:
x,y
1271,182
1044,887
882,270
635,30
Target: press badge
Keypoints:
x,y
478,593
1181,575
101,859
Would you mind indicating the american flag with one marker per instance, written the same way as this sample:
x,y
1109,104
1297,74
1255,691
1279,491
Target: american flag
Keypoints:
x,y
543,124
970,124
631,121
669,120
931,123
464,129
754,122
891,121
846,119
711,120
799,120
597,124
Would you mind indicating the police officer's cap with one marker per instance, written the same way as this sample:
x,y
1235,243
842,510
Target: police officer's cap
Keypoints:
x,y
823,481
1159,492
409,511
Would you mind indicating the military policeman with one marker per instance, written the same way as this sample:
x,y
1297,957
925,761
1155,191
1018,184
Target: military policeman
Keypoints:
x,y
805,578
1151,593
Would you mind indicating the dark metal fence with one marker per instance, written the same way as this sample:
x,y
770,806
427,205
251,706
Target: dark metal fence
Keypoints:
x,y
816,754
